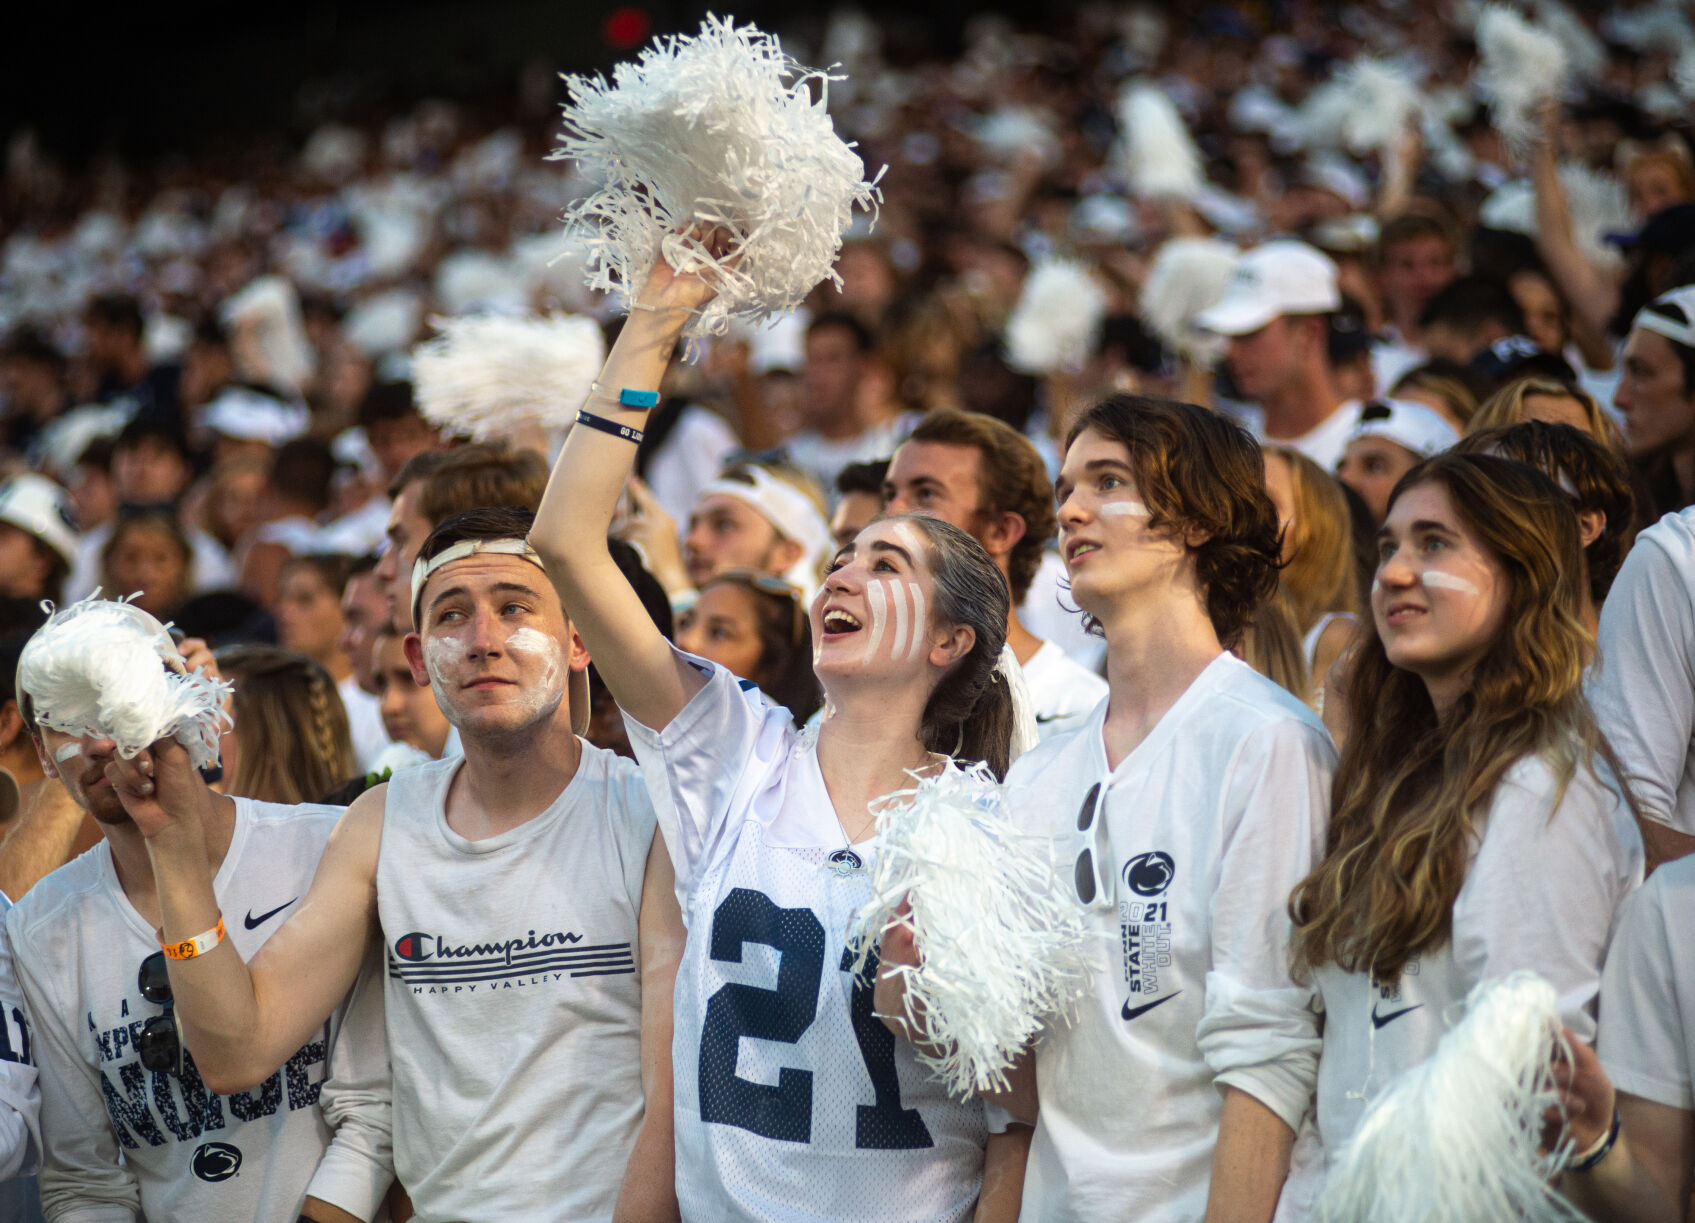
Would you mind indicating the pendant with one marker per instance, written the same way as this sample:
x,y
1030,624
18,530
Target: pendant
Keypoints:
x,y
845,862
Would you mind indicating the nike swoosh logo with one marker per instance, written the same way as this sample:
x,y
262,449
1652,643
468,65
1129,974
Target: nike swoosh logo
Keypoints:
x,y
253,923
1131,1012
1381,1021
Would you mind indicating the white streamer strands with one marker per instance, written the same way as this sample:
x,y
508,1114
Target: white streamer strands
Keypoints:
x,y
494,375
1382,103
1595,200
107,669
1520,66
1187,275
1160,158
1586,54
1057,319
719,129
1458,1138
1005,951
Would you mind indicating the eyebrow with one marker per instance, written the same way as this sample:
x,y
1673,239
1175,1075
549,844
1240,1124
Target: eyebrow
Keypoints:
x,y
881,546
496,588
1065,482
1422,525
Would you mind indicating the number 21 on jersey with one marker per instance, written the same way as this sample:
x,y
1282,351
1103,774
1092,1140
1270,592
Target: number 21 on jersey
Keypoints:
x,y
784,1111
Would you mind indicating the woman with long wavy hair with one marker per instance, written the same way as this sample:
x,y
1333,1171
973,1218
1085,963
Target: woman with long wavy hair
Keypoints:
x,y
1477,826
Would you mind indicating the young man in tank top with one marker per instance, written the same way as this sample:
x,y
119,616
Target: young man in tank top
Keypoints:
x,y
525,908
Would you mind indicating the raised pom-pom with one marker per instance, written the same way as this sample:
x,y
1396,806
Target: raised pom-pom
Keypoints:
x,y
1458,1138
490,376
716,130
1057,319
1005,951
1160,158
1187,275
107,669
1520,66
1383,103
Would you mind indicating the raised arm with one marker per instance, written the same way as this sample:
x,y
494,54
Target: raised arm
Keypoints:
x,y
1592,292
570,530
242,1021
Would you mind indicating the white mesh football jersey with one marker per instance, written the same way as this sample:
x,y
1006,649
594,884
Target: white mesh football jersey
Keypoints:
x,y
793,1102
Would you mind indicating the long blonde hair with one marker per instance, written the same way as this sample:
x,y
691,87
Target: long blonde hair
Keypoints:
x,y
1319,575
292,739
1506,407
1411,792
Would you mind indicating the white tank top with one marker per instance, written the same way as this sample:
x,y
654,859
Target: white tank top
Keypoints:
x,y
514,996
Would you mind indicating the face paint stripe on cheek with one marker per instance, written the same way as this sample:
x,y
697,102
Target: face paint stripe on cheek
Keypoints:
x,y
875,601
918,622
1447,581
1125,509
897,595
66,751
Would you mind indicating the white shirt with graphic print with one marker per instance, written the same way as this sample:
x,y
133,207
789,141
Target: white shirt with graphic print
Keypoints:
x,y
794,1103
20,1099
1207,826
120,1138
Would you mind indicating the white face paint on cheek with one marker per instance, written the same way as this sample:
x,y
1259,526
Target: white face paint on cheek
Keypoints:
x,y
897,595
440,655
66,751
876,598
1447,581
1124,509
548,690
918,622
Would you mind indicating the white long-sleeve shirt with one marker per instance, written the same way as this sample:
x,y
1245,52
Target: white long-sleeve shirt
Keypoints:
x,y
1648,991
1643,685
1209,824
121,1139
20,1099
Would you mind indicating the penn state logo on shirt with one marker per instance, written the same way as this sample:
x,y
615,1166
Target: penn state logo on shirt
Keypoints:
x,y
1149,874
215,1161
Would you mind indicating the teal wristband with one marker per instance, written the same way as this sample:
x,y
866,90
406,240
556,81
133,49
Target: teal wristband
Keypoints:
x,y
638,399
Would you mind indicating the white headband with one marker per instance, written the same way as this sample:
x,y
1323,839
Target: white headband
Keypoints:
x,y
781,504
422,569
1650,319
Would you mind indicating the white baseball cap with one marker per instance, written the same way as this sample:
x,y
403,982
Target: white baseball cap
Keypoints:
x,y
1671,315
1411,425
1276,278
39,507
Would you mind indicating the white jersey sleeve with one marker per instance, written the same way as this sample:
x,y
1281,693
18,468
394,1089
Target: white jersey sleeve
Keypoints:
x,y
357,1099
703,766
1538,867
83,1179
1259,1032
20,1098
1643,685
1648,992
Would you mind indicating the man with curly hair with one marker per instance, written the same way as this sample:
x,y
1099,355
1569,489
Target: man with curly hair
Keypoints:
x,y
1190,802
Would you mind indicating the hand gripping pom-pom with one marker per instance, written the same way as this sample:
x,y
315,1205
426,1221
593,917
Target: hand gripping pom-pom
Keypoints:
x,y
107,669
1458,1138
1005,951
493,376
718,130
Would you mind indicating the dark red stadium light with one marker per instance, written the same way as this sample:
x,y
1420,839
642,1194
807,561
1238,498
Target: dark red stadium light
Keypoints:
x,y
626,27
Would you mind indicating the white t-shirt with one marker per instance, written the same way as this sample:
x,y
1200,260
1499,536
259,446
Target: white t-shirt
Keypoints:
x,y
514,997
793,1102
20,1099
120,1138
1209,824
822,457
1061,691
1643,684
1648,991
1541,893
1323,443
364,723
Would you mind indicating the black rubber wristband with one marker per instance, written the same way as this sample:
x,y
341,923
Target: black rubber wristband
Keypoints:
x,y
1600,1152
626,432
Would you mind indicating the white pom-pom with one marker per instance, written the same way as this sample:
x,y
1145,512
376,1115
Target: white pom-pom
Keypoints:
x,y
719,130
1520,67
107,669
1160,158
1187,275
493,375
1596,202
1382,102
1458,1138
1057,319
1005,951
1586,54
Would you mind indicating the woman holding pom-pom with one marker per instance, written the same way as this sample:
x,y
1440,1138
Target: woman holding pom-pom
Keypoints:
x,y
793,1101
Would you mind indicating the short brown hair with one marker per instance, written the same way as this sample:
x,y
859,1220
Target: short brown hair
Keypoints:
x,y
1011,480
1197,470
1411,226
472,476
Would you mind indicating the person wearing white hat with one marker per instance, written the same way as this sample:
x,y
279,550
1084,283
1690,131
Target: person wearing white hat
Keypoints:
x,y
1393,436
38,538
1274,315
1656,394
